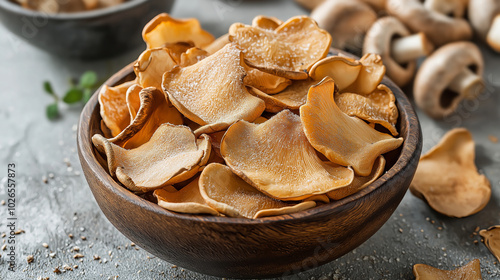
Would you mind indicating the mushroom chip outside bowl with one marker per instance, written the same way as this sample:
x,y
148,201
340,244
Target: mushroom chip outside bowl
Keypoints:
x,y
94,34
253,248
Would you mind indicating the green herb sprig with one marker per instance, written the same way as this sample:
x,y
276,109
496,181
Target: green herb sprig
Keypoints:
x,y
80,92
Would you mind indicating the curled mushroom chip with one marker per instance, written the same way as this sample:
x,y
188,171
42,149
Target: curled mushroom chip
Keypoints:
x,y
470,271
164,29
360,182
276,158
186,200
447,178
192,56
232,196
172,155
211,92
133,100
151,65
344,71
177,49
154,110
287,51
378,106
265,82
344,140
291,98
264,22
370,76
491,238
113,107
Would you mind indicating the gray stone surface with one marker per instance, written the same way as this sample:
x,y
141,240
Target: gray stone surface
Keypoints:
x,y
49,212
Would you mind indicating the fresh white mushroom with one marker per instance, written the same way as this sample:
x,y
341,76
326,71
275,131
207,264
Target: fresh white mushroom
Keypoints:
x,y
346,20
446,77
484,16
455,8
398,48
439,28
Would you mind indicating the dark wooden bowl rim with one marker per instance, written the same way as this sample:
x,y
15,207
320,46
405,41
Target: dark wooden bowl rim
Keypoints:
x,y
409,147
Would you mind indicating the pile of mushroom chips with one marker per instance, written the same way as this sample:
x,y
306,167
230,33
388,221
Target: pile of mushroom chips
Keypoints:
x,y
259,122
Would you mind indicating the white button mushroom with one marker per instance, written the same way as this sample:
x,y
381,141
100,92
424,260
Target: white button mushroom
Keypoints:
x,y
484,16
346,20
450,74
439,28
398,48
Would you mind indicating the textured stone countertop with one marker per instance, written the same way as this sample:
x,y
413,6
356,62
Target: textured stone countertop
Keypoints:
x,y
49,212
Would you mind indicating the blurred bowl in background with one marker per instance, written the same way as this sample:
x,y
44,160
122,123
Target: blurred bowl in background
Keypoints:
x,y
85,35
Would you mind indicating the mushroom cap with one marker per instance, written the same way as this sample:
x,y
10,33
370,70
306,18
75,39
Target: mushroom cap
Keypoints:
x,y
379,40
438,70
346,20
481,14
439,28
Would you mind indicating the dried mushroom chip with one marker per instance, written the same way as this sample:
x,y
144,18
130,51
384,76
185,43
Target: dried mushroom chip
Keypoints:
x,y
172,155
360,182
265,82
470,271
378,106
264,22
218,44
232,196
288,51
151,65
186,200
288,99
154,111
344,140
447,178
177,49
164,29
133,100
113,107
491,238
370,76
344,71
276,158
192,56
211,92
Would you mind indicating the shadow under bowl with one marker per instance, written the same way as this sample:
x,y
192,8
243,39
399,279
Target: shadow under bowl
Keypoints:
x,y
100,33
245,248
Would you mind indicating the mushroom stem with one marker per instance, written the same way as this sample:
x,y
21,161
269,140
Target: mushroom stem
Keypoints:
x,y
411,47
493,37
467,83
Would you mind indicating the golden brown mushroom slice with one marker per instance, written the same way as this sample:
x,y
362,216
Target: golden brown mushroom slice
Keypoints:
x,y
151,65
344,140
172,155
287,51
218,44
491,238
232,196
211,92
360,182
344,71
186,200
154,111
470,271
265,82
164,29
447,178
113,107
276,158
370,76
192,56
133,100
177,49
376,107
264,22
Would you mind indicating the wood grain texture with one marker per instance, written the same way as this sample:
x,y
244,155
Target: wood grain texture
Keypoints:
x,y
242,248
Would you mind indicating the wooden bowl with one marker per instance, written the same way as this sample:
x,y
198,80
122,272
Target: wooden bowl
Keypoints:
x,y
244,248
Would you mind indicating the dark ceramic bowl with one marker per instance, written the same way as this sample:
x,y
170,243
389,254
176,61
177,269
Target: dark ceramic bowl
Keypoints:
x,y
86,35
244,248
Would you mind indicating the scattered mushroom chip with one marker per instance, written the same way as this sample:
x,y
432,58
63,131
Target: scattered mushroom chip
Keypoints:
x,y
113,107
491,238
288,51
276,158
360,182
164,29
270,23
154,110
211,92
151,65
232,196
370,76
376,107
344,140
186,200
447,178
470,271
172,155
